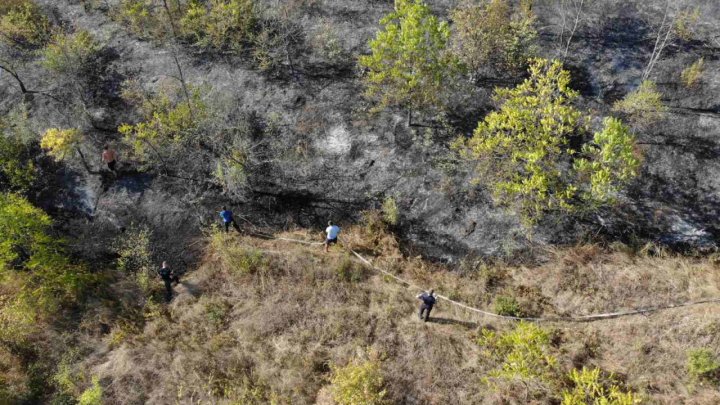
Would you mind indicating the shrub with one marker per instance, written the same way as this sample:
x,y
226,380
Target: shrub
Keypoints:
x,y
23,24
135,255
92,395
692,74
702,364
643,106
359,383
523,352
505,305
328,45
589,388
390,211
170,125
139,16
17,171
607,163
492,36
409,65
71,54
525,152
61,142
219,24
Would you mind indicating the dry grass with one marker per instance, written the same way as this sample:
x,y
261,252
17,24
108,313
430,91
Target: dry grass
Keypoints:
x,y
271,335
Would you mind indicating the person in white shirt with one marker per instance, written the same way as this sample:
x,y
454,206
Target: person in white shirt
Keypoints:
x,y
332,232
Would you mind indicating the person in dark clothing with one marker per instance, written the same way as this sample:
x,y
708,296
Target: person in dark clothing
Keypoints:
x,y
168,276
428,301
228,219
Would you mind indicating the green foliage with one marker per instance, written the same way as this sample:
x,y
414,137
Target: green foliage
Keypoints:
x,y
236,259
71,54
526,157
523,352
702,364
494,35
390,211
38,277
692,74
685,23
409,65
92,395
607,163
140,17
643,106
23,25
170,124
61,142
590,389
505,305
135,255
359,383
219,24
17,171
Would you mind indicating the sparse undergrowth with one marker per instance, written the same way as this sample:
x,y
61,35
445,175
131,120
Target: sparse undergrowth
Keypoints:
x,y
266,321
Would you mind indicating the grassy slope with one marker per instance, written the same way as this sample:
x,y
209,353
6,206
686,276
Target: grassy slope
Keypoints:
x,y
266,320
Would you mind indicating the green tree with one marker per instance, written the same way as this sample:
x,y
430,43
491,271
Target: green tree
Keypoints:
x,y
525,154
169,126
35,274
492,37
409,65
642,106
71,54
23,29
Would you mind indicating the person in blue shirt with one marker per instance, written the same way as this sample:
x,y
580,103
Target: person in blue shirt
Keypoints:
x,y
228,219
428,301
332,232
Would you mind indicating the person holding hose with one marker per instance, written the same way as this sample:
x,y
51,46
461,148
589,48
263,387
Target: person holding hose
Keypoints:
x,y
428,301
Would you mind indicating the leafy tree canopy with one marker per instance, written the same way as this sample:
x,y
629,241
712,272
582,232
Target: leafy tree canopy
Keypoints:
x,y
525,152
409,64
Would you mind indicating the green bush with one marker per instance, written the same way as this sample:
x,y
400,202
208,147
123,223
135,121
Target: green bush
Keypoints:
x,y
222,25
525,153
505,305
36,275
136,255
691,75
390,211
493,36
643,106
359,383
92,395
71,54
523,353
589,388
702,364
140,17
17,171
22,24
409,65
170,126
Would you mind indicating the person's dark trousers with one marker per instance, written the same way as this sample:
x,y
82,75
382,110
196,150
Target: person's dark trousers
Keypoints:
x,y
168,289
426,309
234,224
